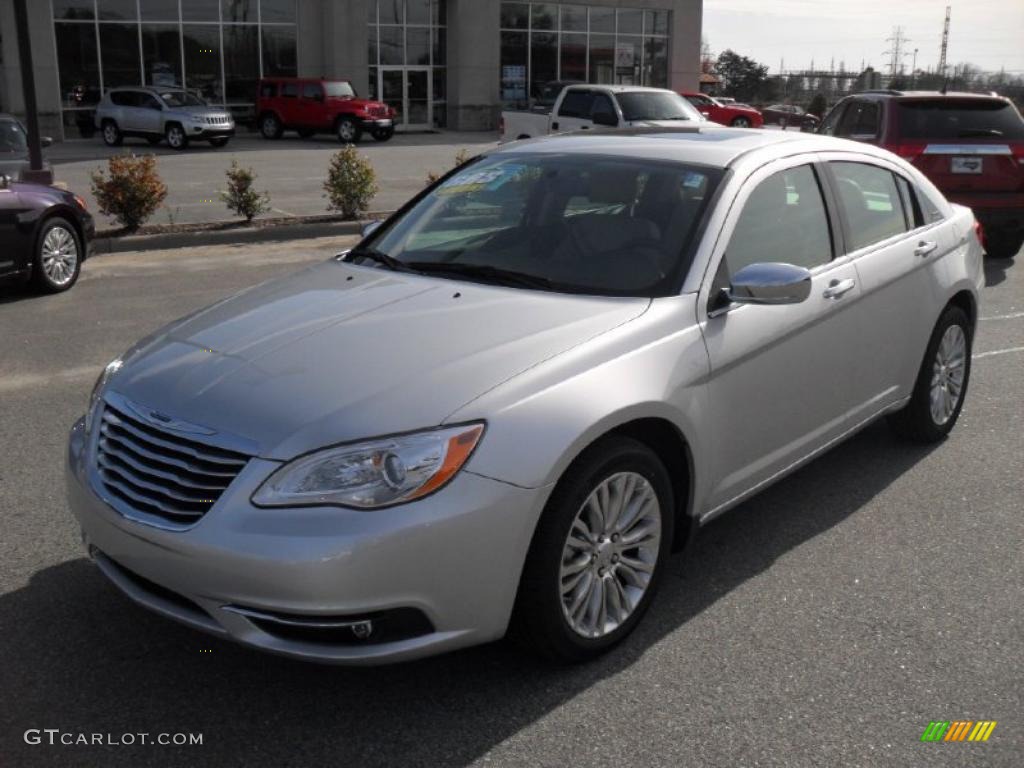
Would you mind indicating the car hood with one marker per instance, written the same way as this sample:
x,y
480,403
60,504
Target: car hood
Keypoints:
x,y
340,352
358,104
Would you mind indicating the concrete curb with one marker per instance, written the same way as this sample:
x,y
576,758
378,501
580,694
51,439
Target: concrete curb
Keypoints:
x,y
167,240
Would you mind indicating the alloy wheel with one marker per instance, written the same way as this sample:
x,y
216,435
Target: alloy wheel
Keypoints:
x,y
175,136
948,372
346,131
59,256
110,133
610,554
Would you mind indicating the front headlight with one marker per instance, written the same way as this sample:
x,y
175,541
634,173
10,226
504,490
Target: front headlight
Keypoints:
x,y
376,473
97,389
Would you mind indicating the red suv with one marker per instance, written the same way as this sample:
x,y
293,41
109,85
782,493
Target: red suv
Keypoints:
x,y
970,145
738,116
313,105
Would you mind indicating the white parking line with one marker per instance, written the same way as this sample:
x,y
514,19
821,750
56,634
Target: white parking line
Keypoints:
x,y
1011,316
995,352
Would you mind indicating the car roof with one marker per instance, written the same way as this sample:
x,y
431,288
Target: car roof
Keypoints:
x,y
701,145
911,95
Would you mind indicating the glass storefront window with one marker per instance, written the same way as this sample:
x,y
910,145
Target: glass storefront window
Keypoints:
x,y
597,44
392,45
161,55
417,12
202,61
120,46
241,62
277,11
417,46
440,47
76,10
77,64
280,51
239,11
199,10
159,10
117,10
391,11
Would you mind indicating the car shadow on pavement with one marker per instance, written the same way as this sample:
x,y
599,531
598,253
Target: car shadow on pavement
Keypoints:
x,y
995,270
80,657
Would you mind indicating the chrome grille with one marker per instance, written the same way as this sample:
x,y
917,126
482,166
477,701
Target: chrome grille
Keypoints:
x,y
159,473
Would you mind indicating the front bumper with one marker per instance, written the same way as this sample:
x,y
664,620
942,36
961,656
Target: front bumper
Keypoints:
x,y
454,558
377,124
202,131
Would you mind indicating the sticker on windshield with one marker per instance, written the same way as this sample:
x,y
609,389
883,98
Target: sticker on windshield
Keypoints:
x,y
693,180
477,180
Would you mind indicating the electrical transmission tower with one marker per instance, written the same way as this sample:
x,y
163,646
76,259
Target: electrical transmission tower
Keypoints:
x,y
945,44
896,52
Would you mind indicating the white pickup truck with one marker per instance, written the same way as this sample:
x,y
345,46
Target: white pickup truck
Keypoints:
x,y
601,107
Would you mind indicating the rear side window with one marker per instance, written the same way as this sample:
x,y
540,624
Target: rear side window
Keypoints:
x,y
860,121
871,201
290,90
124,98
576,104
953,118
783,220
312,91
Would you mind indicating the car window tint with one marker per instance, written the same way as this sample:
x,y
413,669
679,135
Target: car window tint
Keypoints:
x,y
953,118
147,101
124,98
12,137
860,120
783,220
871,202
915,217
831,123
576,104
311,91
290,90
602,103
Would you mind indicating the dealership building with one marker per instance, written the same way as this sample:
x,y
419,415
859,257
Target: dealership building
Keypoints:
x,y
440,63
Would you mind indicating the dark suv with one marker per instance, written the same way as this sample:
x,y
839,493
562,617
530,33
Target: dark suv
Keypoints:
x,y
312,105
970,145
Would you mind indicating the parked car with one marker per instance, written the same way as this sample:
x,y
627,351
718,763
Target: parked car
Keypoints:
x,y
506,405
970,145
548,94
14,159
313,105
600,107
44,234
736,115
789,114
156,114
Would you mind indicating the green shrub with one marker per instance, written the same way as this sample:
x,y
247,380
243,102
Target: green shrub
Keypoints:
x,y
133,190
240,196
351,183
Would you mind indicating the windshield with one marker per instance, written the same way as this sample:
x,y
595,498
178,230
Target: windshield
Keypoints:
x,y
577,223
181,99
654,105
960,119
343,90
12,137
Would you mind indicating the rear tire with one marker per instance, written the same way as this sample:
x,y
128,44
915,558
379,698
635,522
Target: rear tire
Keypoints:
x,y
112,135
941,384
347,131
1003,245
270,127
740,122
611,574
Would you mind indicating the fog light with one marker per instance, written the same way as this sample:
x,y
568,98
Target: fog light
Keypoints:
x,y
362,629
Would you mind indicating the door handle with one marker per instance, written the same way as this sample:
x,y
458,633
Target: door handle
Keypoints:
x,y
837,288
925,247
584,127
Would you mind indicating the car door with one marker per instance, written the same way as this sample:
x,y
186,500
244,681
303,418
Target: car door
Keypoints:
x,y
574,111
892,248
312,111
149,114
9,238
704,105
779,383
290,112
127,110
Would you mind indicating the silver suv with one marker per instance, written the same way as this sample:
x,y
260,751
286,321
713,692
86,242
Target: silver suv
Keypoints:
x,y
161,113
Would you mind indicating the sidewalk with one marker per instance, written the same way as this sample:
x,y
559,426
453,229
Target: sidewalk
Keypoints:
x,y
292,170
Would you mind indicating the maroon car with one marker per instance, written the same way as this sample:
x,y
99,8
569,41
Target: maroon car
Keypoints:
x,y
315,105
788,115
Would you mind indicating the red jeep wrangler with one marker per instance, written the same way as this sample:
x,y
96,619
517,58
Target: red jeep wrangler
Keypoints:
x,y
314,105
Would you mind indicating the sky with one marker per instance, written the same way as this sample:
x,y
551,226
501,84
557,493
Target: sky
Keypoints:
x,y
986,33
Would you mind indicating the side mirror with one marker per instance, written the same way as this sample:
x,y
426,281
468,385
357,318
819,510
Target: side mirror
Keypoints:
x,y
45,141
371,227
605,118
773,283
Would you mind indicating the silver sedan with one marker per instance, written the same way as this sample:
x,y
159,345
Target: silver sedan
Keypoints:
x,y
505,408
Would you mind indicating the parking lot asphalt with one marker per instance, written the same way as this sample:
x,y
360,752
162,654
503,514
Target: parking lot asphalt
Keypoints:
x,y
291,169
825,622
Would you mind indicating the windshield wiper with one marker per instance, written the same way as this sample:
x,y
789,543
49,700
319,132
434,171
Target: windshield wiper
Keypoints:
x,y
968,132
484,273
372,254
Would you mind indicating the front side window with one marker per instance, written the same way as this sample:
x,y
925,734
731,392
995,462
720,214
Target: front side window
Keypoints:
x,y
181,99
576,104
580,223
870,201
783,220
830,124
860,121
340,90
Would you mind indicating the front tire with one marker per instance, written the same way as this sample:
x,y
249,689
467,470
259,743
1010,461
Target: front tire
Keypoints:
x,y
112,136
941,384
740,122
347,131
176,137
220,142
597,554
383,134
58,257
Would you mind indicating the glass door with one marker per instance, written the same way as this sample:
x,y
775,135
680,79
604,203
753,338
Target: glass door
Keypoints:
x,y
407,90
